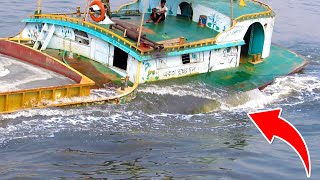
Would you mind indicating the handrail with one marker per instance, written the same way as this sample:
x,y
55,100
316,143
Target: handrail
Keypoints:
x,y
256,15
192,44
269,12
91,25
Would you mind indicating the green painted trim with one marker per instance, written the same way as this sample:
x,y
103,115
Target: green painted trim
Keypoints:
x,y
206,48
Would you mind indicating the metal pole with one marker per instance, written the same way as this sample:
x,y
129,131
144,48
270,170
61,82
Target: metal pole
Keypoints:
x,y
86,10
39,6
231,12
142,20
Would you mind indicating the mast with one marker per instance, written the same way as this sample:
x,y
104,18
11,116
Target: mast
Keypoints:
x,y
86,10
142,20
231,12
39,6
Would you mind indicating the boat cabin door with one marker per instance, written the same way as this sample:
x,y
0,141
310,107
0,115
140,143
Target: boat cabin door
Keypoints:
x,y
254,40
120,59
185,10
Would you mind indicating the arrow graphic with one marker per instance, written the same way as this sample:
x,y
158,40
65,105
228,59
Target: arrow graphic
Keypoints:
x,y
271,125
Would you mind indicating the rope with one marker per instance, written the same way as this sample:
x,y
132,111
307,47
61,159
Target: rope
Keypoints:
x,y
63,58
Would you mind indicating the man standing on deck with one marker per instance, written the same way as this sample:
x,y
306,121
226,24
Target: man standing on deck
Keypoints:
x,y
107,7
161,13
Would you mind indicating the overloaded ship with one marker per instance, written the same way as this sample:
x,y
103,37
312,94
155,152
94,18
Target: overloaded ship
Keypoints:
x,y
94,48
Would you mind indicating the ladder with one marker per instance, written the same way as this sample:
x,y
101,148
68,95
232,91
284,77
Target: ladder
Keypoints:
x,y
44,37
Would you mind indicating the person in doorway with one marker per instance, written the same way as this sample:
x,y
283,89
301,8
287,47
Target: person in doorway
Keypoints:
x,y
161,13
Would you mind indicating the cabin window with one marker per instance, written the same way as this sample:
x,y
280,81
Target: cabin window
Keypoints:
x,y
82,37
185,58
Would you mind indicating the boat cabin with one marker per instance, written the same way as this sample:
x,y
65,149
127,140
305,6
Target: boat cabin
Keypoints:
x,y
197,36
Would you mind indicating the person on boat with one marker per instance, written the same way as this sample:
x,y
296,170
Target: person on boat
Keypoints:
x,y
161,13
107,7
154,16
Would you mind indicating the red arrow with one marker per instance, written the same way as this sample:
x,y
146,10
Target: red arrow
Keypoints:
x,y
271,125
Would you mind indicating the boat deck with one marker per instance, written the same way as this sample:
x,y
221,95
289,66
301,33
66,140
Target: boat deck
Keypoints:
x,y
172,28
18,75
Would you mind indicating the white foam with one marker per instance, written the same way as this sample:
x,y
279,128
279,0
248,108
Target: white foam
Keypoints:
x,y
195,90
4,72
47,122
254,99
297,86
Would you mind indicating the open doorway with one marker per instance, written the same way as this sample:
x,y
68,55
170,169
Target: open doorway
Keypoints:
x,y
185,10
254,39
120,59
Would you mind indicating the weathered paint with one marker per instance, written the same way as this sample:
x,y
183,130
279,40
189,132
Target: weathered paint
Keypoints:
x,y
202,62
215,20
32,31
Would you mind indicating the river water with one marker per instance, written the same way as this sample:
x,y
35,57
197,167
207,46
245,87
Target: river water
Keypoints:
x,y
159,135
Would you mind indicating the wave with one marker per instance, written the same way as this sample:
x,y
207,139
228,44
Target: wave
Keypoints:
x,y
298,87
46,122
198,90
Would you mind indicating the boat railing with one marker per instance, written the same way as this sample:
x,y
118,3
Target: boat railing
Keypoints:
x,y
91,25
201,43
267,13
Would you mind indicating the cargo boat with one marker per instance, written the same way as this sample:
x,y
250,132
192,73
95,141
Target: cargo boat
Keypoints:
x,y
225,43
